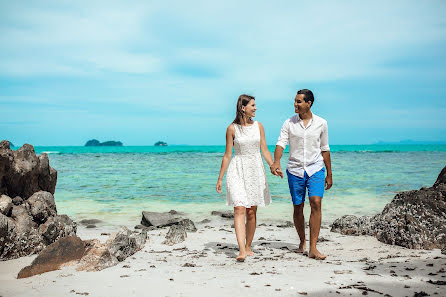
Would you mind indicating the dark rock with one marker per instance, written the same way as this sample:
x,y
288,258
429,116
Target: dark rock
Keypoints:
x,y
352,225
224,214
420,294
443,250
91,226
205,221
66,249
42,206
87,222
176,234
173,211
158,219
5,205
414,219
57,227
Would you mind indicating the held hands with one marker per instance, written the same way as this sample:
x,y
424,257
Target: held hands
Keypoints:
x,y
328,182
219,185
276,169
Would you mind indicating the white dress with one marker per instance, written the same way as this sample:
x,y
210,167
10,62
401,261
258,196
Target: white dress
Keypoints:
x,y
246,183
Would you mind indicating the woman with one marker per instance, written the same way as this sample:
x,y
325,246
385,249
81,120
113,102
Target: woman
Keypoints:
x,y
246,185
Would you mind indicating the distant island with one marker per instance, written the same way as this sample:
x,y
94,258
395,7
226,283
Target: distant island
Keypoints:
x,y
160,143
409,141
95,142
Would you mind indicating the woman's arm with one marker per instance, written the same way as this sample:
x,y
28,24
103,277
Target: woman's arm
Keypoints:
x,y
263,147
226,157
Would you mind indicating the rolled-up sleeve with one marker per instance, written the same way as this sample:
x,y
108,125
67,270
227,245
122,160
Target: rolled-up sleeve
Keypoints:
x,y
283,138
324,138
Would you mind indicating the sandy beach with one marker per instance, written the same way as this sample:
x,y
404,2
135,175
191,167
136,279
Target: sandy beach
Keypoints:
x,y
205,265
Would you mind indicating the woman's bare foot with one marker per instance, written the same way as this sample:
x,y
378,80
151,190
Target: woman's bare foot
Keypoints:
x,y
241,257
315,254
302,248
249,252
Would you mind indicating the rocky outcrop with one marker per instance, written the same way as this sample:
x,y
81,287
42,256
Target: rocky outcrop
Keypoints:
x,y
28,222
22,173
414,219
54,256
117,248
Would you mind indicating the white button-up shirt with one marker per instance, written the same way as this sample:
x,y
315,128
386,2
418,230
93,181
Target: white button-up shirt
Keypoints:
x,y
306,144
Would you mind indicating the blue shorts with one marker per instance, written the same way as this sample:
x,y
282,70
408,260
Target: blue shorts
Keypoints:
x,y
298,185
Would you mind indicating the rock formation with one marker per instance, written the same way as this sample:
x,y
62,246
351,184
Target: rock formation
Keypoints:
x,y
28,215
117,248
414,219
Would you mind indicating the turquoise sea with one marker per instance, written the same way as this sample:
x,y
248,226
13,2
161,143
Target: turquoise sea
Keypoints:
x,y
115,184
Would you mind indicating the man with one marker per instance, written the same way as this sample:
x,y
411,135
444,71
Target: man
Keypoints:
x,y
307,135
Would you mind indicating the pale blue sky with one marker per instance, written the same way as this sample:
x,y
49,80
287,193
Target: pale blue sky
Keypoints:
x,y
143,71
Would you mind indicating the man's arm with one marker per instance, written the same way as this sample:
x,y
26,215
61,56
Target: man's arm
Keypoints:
x,y
327,161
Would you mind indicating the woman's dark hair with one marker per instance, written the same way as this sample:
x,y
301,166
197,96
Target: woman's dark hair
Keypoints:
x,y
308,95
243,100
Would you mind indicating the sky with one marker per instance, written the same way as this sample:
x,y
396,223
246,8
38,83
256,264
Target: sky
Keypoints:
x,y
143,71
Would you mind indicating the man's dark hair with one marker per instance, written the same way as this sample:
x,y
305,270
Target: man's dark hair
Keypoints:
x,y
308,95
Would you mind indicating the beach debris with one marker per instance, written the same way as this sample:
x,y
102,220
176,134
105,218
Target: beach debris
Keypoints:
x,y
159,219
420,294
28,222
286,224
360,286
119,246
437,282
176,234
413,219
80,293
188,265
342,271
54,256
224,214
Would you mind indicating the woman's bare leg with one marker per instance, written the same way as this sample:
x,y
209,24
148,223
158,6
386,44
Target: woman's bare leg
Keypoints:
x,y
240,231
251,222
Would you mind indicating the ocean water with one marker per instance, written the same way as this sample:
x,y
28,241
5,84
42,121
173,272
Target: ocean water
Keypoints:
x,y
116,184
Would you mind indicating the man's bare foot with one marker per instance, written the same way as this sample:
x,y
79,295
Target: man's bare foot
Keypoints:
x,y
315,254
241,257
249,252
302,248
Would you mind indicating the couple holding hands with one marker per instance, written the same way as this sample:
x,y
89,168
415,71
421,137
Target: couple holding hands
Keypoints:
x,y
308,169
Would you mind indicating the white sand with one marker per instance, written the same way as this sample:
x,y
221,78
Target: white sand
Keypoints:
x,y
275,270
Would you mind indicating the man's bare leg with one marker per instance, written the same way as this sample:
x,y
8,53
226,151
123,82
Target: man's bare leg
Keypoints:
x,y
315,227
299,224
240,232
251,222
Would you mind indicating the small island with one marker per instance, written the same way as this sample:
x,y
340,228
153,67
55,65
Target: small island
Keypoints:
x,y
95,142
160,143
